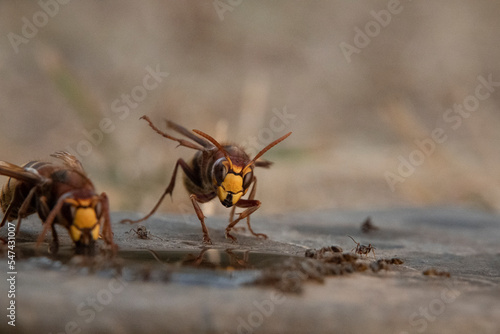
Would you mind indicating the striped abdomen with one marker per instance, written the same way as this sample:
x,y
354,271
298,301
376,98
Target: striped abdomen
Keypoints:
x,y
22,188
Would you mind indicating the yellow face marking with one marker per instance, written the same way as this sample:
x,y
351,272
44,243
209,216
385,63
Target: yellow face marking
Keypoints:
x,y
72,201
85,202
235,169
95,232
231,188
85,218
222,194
233,183
247,170
74,233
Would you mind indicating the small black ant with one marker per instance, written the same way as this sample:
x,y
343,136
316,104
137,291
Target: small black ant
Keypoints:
x,y
362,249
143,233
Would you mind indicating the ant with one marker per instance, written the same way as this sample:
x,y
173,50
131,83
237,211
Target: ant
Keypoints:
x,y
143,233
362,249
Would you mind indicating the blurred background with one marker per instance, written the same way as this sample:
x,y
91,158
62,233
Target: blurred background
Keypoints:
x,y
363,85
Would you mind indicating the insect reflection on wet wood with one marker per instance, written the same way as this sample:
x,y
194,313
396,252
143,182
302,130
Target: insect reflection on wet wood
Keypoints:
x,y
223,171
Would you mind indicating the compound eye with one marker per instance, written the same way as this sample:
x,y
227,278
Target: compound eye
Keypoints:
x,y
247,180
219,171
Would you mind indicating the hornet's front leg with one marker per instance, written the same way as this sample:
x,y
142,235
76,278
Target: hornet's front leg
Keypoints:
x,y
107,234
201,199
54,246
170,188
251,206
45,211
49,222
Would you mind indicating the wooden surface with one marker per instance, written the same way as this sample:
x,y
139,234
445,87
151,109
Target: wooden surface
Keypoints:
x,y
53,299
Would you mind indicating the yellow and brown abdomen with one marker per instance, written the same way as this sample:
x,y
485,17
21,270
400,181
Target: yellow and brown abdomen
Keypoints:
x,y
11,187
6,194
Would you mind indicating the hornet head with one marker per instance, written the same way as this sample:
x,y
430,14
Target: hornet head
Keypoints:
x,y
232,181
85,215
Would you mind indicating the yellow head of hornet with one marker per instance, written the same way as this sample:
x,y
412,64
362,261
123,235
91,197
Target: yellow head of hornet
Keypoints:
x,y
84,223
231,181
